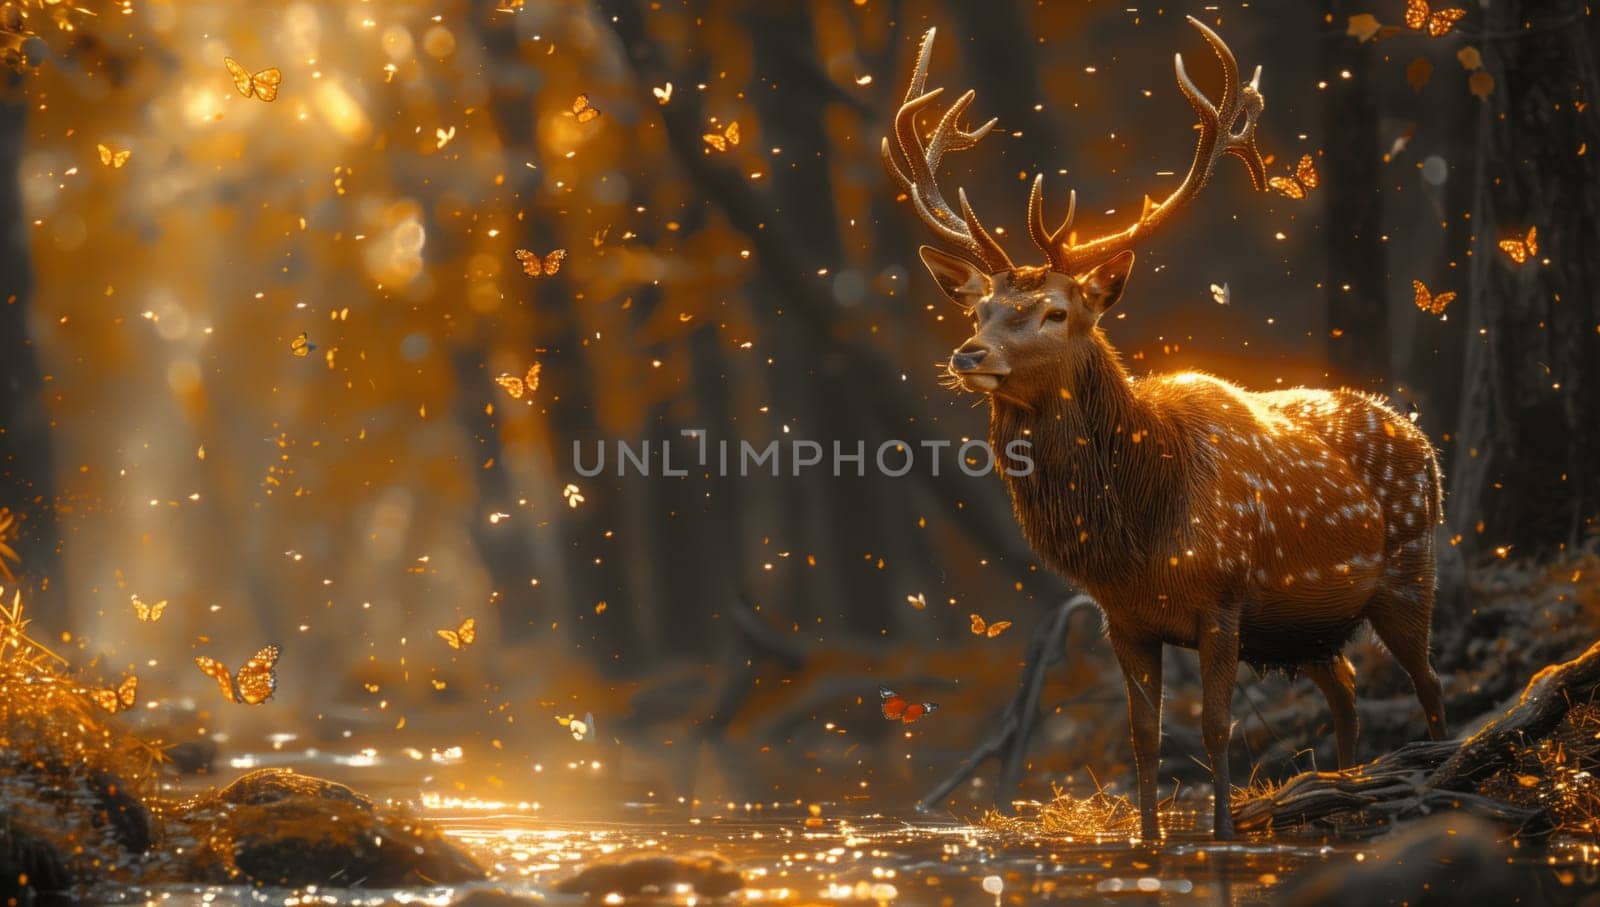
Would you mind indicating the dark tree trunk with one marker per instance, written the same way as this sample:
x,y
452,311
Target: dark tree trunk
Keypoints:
x,y
1529,440
1352,198
26,482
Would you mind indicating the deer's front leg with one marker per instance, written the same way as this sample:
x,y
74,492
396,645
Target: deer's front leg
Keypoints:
x,y
1140,660
1219,665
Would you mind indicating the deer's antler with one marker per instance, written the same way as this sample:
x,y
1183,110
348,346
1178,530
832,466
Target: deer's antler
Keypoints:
x,y
1228,127
915,173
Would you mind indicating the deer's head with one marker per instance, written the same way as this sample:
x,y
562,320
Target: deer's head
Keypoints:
x,y
1031,320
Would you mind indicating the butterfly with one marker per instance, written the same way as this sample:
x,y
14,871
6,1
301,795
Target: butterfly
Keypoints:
x,y
918,601
517,387
582,729
663,93
582,110
727,139
462,636
301,346
1305,179
534,266
114,159
1520,250
443,137
896,708
979,628
263,84
149,613
119,698
1437,22
1428,302
1220,294
573,495
255,682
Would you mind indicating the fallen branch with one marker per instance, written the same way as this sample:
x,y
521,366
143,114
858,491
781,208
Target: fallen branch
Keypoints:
x,y
1421,778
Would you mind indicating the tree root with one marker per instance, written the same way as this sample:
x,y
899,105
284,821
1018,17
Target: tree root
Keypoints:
x,y
1422,778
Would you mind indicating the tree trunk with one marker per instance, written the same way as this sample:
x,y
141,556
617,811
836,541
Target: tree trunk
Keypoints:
x,y
26,485
1352,170
1529,439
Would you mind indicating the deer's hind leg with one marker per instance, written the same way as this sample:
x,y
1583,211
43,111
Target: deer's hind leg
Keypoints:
x,y
1337,681
1401,614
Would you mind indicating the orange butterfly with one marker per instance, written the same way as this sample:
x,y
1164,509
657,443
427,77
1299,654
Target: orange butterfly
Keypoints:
x,y
979,628
727,139
582,110
263,84
119,698
1305,179
301,346
113,159
1437,22
256,681
149,614
1431,303
896,708
1520,250
517,387
534,266
461,636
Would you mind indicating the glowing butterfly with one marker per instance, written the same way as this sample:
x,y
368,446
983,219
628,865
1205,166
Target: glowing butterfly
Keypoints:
x,y
263,84
917,601
119,698
301,346
462,636
443,137
1305,179
517,387
534,266
1220,294
728,138
1420,16
254,684
1428,302
1520,250
979,628
897,708
149,613
663,93
573,496
114,159
582,110
582,729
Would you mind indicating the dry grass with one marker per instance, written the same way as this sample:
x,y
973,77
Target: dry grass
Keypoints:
x,y
1100,816
1560,774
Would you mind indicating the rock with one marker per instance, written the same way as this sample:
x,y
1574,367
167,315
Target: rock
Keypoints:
x,y
273,785
129,820
1443,860
193,757
32,869
279,827
709,874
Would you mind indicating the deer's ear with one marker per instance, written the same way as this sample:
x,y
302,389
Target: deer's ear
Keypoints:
x,y
961,280
1103,285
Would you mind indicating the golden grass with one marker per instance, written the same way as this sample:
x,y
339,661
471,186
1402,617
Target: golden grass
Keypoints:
x,y
1100,816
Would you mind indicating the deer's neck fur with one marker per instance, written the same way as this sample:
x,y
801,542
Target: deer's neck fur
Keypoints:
x,y
1110,484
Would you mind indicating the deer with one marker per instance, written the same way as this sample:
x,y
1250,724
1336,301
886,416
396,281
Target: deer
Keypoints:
x,y
1262,527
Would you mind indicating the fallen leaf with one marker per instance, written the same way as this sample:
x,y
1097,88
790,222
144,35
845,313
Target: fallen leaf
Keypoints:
x,y
1418,73
1470,58
1363,27
1481,84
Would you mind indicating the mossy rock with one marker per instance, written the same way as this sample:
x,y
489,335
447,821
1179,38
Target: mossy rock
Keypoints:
x,y
32,869
281,828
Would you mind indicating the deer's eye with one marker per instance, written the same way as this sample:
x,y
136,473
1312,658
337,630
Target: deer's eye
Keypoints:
x,y
1056,315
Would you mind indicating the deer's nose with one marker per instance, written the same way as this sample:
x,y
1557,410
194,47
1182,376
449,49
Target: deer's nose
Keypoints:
x,y
967,358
